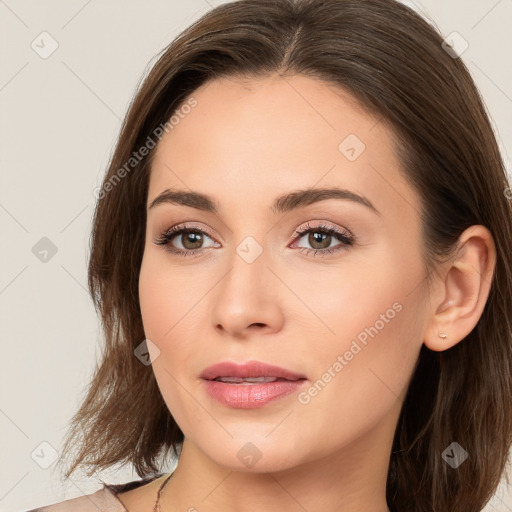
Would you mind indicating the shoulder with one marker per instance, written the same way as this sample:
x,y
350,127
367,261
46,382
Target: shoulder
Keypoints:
x,y
102,499
105,499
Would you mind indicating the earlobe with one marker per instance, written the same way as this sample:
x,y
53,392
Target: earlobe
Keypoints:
x,y
464,291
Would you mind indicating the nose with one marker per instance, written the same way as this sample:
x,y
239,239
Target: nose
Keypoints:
x,y
248,298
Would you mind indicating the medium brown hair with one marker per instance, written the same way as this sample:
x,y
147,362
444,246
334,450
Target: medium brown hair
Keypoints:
x,y
392,61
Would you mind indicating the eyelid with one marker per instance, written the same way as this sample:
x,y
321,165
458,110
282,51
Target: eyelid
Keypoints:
x,y
310,225
190,227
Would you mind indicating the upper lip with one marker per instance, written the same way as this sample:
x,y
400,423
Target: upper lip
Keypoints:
x,y
248,369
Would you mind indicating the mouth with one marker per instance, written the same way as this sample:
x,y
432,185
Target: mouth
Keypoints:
x,y
251,380
249,385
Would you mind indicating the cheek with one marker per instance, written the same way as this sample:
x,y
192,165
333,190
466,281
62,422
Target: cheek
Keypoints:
x,y
154,300
162,305
166,297
363,364
171,309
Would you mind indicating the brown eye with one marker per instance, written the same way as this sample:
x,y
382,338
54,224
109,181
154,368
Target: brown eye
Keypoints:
x,y
191,240
321,237
318,240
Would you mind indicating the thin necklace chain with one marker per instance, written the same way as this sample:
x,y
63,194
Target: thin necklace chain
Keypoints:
x,y
160,491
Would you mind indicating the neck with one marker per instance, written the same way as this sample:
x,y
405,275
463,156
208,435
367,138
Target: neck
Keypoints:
x,y
354,477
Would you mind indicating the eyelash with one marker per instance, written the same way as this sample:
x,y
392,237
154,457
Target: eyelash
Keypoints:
x,y
345,237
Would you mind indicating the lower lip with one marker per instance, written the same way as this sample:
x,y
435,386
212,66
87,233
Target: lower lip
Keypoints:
x,y
251,396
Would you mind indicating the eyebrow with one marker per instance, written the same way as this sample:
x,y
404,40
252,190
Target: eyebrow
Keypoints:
x,y
285,203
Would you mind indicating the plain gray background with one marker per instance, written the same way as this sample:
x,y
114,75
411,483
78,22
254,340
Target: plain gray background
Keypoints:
x,y
60,116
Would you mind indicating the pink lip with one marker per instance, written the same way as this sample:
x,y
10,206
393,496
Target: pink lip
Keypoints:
x,y
248,396
248,369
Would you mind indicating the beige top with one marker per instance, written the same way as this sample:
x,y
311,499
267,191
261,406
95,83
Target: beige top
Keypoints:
x,y
104,499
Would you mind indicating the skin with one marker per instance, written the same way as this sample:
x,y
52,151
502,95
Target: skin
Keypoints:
x,y
245,143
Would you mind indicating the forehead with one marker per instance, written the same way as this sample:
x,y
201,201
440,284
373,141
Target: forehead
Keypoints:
x,y
246,142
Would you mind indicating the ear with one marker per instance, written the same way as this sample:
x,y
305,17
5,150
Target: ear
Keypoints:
x,y
463,290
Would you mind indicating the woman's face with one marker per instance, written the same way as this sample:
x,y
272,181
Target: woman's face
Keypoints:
x,y
349,318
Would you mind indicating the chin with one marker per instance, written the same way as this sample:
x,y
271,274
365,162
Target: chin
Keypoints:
x,y
252,451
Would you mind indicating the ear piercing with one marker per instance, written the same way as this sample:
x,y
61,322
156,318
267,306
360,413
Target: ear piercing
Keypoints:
x,y
443,335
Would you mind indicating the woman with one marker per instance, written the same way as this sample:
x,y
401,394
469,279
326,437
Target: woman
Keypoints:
x,y
301,256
